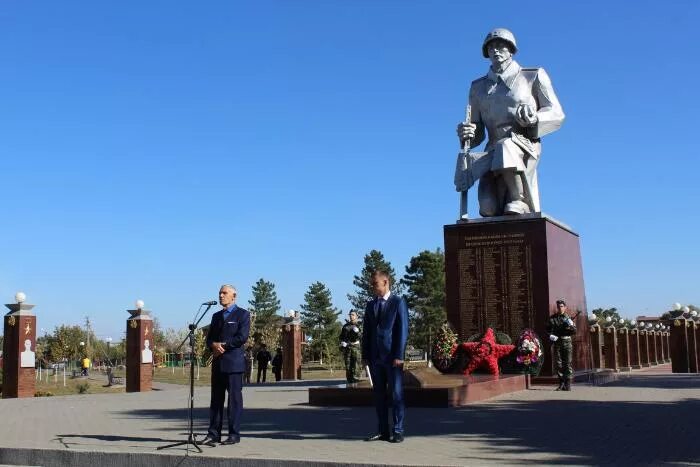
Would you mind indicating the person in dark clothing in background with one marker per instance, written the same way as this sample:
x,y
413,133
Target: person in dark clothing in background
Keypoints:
x,y
277,364
263,359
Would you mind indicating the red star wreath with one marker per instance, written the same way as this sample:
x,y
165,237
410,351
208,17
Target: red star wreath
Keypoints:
x,y
485,353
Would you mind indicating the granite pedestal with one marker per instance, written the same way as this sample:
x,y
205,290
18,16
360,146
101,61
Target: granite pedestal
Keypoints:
x,y
424,387
507,273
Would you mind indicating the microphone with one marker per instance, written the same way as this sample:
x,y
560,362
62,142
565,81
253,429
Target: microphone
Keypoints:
x,y
213,302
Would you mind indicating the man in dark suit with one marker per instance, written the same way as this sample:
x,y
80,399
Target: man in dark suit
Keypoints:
x,y
385,330
227,336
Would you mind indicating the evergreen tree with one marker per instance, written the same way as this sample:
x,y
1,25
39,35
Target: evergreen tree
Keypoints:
x,y
374,261
425,296
264,305
320,319
264,309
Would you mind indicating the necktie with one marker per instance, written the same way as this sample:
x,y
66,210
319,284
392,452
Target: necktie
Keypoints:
x,y
380,306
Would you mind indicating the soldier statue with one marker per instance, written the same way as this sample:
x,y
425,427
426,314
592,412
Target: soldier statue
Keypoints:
x,y
350,337
560,328
516,106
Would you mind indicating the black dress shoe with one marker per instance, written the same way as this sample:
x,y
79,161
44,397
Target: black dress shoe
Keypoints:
x,y
378,437
231,440
208,441
398,438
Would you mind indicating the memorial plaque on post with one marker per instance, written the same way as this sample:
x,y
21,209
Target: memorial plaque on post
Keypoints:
x,y
19,347
139,351
507,273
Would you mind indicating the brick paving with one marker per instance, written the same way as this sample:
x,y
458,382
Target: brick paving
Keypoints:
x,y
647,418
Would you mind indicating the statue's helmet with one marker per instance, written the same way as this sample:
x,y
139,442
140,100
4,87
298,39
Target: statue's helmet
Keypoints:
x,y
502,34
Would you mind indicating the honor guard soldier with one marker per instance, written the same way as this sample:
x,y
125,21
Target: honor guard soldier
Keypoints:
x,y
561,327
350,346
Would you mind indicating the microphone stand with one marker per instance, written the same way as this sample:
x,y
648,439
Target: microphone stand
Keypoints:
x,y
190,438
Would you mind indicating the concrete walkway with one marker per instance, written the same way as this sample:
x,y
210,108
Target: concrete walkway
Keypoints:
x,y
648,418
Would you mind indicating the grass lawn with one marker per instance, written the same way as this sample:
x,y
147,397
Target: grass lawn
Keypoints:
x,y
308,372
96,384
97,381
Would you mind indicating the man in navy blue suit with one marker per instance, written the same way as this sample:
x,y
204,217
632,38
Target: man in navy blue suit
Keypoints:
x,y
385,330
227,336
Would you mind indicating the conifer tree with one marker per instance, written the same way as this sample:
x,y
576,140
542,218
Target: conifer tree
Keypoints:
x,y
425,295
374,261
320,319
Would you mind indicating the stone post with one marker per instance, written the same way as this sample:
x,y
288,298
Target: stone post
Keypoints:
x,y
659,347
610,339
660,336
597,345
679,346
291,350
653,349
644,348
697,344
18,352
139,351
692,347
668,345
635,355
623,349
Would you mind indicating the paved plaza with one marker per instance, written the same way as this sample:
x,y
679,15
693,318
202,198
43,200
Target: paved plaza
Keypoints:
x,y
648,418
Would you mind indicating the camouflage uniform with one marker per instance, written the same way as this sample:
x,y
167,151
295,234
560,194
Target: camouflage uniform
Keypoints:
x,y
350,346
562,326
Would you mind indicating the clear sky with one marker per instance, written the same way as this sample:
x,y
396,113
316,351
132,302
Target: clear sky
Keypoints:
x,y
157,149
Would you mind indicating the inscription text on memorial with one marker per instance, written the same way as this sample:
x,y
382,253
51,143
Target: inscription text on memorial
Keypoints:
x,y
495,283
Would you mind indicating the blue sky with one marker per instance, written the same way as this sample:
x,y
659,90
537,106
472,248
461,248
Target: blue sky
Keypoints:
x,y
155,150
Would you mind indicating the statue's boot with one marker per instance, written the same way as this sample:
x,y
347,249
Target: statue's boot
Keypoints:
x,y
567,385
516,207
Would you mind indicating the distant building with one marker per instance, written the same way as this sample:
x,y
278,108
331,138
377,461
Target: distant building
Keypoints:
x,y
649,319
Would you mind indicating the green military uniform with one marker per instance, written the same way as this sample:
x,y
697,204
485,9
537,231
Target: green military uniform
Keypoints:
x,y
350,346
560,328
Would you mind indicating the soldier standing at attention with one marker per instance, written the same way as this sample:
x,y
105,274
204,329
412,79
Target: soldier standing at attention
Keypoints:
x,y
350,346
560,328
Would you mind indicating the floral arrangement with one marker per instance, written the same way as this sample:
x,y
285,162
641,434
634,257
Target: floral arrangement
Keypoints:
x,y
444,348
528,354
481,351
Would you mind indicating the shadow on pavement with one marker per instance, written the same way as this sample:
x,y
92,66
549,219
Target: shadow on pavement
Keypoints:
x,y
65,439
572,431
301,383
670,381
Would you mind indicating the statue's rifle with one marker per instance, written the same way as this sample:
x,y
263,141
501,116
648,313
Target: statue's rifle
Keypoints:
x,y
464,156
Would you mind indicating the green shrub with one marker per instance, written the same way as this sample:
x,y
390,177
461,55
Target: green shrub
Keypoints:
x,y
43,394
83,388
